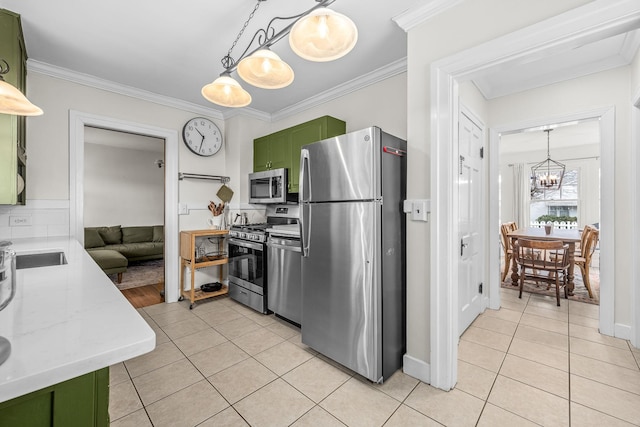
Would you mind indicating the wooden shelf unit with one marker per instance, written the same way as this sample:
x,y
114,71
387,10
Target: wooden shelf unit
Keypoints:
x,y
189,258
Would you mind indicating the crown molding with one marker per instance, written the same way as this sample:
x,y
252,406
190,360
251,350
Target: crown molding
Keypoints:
x,y
382,73
417,15
98,83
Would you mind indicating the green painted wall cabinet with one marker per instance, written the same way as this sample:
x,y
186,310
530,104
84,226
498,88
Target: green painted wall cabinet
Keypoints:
x,y
13,160
282,149
78,402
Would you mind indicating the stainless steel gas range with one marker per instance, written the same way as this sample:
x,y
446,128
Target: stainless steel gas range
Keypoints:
x,y
248,258
247,265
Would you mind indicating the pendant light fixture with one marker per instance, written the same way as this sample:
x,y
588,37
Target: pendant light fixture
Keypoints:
x,y
548,174
318,34
12,101
323,35
266,70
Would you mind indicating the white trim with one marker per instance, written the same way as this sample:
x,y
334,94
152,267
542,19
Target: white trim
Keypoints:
x,y
417,15
77,122
592,21
98,83
416,368
623,331
382,73
607,154
635,228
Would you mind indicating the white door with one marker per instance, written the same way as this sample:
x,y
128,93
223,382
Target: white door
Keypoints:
x,y
471,239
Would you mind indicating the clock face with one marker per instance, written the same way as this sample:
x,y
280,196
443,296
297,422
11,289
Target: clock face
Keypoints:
x,y
202,136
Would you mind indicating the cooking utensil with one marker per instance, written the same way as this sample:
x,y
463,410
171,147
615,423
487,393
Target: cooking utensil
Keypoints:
x,y
225,193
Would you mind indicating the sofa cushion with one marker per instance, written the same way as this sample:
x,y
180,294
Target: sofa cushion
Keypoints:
x,y
137,234
136,250
108,259
92,238
158,233
111,235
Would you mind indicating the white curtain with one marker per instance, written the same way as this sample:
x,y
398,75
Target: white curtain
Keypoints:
x,y
520,195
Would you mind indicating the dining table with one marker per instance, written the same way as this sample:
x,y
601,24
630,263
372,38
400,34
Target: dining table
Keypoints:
x,y
567,236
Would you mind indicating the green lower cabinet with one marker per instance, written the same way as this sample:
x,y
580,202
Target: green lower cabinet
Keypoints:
x,y
78,402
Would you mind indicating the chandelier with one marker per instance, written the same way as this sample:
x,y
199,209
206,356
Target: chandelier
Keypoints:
x,y
318,34
12,101
548,174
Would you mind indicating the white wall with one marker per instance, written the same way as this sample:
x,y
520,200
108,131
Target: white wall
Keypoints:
x,y
466,25
122,186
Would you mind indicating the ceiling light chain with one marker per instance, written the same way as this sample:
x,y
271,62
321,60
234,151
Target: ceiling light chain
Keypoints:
x,y
228,61
318,34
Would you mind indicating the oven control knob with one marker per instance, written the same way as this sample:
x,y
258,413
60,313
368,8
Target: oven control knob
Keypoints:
x,y
243,235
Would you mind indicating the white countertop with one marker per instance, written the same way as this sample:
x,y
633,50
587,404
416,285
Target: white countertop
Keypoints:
x,y
66,321
284,230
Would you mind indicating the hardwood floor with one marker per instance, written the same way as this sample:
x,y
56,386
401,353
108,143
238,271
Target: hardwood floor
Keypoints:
x,y
145,296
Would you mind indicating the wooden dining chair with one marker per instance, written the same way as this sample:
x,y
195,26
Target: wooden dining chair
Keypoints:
x,y
588,243
505,229
540,256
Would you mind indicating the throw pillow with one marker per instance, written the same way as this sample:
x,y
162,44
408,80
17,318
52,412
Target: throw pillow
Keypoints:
x,y
111,235
92,238
137,234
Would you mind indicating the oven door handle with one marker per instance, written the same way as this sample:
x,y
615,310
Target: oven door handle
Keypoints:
x,y
245,244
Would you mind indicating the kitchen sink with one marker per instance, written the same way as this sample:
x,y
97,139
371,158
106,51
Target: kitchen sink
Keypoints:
x,y
44,259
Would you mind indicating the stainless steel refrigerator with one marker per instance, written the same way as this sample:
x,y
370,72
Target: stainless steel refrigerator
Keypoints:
x,y
353,240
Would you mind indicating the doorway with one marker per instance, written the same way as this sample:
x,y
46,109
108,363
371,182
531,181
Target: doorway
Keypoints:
x,y
124,186
77,123
445,77
576,204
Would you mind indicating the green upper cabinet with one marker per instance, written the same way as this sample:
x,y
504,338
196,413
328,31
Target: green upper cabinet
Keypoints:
x,y
12,127
271,151
282,149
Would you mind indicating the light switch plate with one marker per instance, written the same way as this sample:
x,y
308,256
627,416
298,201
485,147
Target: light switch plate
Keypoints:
x,y
419,209
183,209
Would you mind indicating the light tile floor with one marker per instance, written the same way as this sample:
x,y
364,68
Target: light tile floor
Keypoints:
x,y
529,363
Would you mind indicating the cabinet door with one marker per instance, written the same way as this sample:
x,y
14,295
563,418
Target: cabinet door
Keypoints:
x,y
11,126
261,153
280,152
79,402
306,133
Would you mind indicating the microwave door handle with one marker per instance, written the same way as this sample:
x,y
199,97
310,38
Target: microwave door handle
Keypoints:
x,y
271,181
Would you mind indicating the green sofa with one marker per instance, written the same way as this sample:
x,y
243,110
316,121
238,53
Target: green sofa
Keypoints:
x,y
113,247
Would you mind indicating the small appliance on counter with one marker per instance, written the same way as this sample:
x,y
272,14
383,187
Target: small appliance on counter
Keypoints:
x,y
7,289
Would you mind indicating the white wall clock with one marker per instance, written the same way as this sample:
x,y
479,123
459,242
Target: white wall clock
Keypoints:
x,y
202,136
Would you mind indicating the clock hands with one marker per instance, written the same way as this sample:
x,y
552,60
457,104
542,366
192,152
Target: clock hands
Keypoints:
x,y
201,142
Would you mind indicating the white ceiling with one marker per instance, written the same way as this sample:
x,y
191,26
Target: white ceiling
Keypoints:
x,y
564,135
173,47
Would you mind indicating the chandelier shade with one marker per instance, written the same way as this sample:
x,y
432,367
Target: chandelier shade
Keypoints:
x,y
548,174
227,92
318,34
265,69
323,35
12,101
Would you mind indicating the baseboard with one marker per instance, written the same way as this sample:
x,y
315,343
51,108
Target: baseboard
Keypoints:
x,y
416,368
622,331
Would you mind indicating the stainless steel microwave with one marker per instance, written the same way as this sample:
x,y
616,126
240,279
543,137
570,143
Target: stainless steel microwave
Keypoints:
x,y
268,186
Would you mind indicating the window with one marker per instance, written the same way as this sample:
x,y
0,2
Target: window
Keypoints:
x,y
562,202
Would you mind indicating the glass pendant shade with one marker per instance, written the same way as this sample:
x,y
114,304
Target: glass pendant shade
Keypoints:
x,y
323,35
265,69
227,92
12,101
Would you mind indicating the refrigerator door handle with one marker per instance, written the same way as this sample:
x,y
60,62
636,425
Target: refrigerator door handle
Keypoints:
x,y
305,189
305,179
